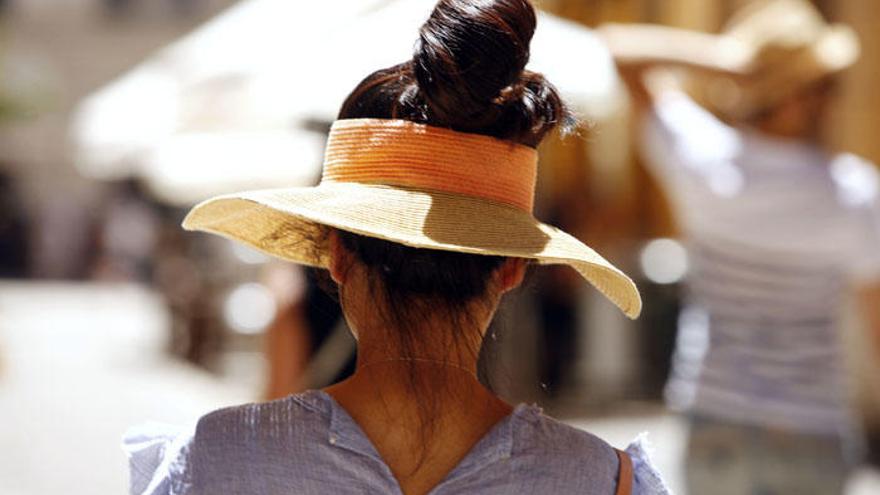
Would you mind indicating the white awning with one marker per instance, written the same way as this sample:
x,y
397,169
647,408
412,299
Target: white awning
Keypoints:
x,y
234,104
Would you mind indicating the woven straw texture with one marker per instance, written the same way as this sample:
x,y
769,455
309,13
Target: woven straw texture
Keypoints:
x,y
402,153
287,223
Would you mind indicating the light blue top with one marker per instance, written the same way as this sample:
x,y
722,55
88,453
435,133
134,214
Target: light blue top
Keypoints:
x,y
308,444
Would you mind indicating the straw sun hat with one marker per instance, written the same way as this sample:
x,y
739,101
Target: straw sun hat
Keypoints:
x,y
783,46
418,185
768,50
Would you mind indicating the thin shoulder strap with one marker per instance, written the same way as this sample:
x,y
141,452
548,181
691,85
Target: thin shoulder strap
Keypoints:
x,y
625,474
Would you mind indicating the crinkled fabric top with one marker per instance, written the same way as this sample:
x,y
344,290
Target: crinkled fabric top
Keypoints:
x,y
308,444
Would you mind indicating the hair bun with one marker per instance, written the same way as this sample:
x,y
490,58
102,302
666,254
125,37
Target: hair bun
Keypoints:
x,y
469,52
468,74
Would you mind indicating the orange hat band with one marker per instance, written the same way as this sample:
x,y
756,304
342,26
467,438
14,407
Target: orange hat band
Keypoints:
x,y
406,154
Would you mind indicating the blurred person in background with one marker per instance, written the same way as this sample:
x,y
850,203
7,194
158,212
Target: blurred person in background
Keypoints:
x,y
778,227
302,347
127,235
13,230
423,219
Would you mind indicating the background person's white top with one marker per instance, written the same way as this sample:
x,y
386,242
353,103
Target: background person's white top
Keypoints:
x,y
777,231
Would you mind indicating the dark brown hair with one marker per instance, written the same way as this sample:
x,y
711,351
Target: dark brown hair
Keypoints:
x,y
468,74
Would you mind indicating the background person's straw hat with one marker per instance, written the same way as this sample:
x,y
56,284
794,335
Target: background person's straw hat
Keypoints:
x,y
788,46
417,185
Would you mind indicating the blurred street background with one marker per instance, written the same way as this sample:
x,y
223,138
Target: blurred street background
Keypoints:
x,y
116,116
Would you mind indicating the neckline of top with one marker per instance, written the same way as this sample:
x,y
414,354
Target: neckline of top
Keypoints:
x,y
343,432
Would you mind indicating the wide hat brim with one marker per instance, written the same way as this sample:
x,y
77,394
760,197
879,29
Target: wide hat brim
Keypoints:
x,y
288,223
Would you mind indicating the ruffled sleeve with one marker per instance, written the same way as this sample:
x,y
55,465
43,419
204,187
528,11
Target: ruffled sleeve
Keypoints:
x,y
646,478
157,455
